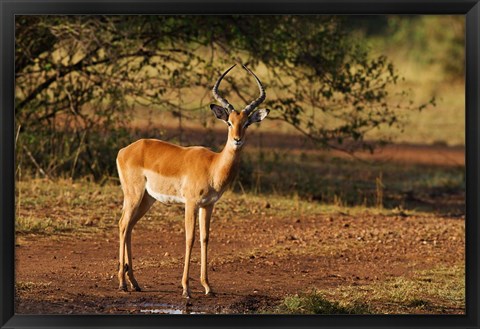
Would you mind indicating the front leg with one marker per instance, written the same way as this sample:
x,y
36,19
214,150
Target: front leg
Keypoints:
x,y
190,214
204,223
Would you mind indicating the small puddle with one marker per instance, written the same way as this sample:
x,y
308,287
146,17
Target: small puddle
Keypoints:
x,y
160,308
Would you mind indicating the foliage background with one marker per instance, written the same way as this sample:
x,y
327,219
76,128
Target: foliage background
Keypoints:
x,y
88,85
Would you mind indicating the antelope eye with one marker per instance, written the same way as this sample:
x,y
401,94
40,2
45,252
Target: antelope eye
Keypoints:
x,y
229,124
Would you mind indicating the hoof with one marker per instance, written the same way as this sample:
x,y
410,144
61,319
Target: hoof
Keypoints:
x,y
186,295
123,288
210,294
137,288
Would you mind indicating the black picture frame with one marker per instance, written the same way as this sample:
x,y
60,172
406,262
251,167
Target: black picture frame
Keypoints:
x,y
8,10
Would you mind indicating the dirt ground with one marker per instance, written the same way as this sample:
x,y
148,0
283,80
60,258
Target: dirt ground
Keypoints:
x,y
254,262
256,257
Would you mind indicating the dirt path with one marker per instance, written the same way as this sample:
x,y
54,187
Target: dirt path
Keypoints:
x,y
255,261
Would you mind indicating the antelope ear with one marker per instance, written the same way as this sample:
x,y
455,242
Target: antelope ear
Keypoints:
x,y
258,115
220,112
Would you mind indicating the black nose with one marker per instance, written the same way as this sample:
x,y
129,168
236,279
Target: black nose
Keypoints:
x,y
236,139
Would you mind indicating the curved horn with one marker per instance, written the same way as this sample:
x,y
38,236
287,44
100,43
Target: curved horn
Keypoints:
x,y
219,98
249,108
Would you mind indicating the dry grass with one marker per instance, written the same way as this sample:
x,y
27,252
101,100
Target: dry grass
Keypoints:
x,y
314,302
28,285
63,206
293,184
429,291
439,290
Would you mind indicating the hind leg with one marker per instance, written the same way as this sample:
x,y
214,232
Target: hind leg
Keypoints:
x,y
127,213
133,185
145,205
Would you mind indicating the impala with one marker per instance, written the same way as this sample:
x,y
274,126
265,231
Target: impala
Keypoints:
x,y
151,169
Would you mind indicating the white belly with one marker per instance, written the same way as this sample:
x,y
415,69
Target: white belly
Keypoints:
x,y
164,198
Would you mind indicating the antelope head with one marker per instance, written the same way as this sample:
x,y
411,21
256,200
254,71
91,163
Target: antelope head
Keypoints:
x,y
238,121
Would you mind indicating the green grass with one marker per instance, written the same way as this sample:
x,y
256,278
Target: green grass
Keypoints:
x,y
428,291
316,303
440,285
